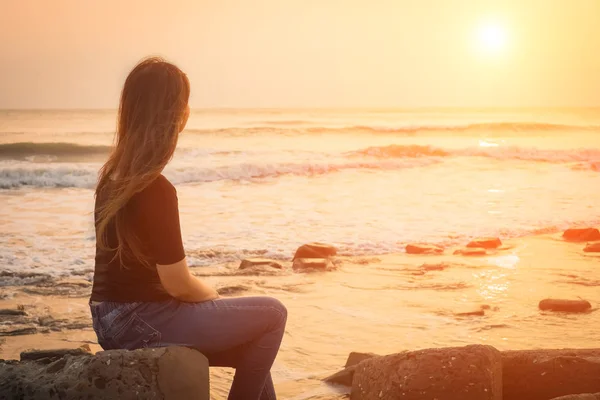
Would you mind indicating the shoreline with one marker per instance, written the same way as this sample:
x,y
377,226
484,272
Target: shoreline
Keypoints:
x,y
410,302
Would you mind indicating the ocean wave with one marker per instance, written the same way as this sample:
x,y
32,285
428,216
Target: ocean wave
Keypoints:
x,y
589,158
85,176
272,127
25,150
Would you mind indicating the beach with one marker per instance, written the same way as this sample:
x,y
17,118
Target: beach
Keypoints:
x,y
261,183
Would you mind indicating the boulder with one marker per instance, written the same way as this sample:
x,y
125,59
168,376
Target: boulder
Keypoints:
x,y
312,264
485,243
592,248
344,377
259,262
587,396
423,249
470,251
154,373
581,235
315,250
546,374
456,373
574,306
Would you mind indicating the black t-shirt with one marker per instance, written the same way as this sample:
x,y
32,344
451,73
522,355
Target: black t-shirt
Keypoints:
x,y
153,214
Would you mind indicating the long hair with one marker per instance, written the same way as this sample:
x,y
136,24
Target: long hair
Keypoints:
x,y
152,112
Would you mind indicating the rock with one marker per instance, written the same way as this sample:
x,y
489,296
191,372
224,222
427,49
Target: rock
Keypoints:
x,y
546,374
473,313
344,377
168,373
473,251
434,267
592,248
17,330
456,373
9,311
574,306
423,249
581,235
586,396
232,290
315,250
356,357
485,243
259,262
312,264
54,354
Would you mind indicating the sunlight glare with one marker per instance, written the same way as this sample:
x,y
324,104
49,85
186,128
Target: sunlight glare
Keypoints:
x,y
491,37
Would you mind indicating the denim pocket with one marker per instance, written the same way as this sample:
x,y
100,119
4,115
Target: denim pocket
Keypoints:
x,y
136,333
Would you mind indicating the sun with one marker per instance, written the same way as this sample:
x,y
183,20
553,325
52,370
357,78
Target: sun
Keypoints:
x,y
491,37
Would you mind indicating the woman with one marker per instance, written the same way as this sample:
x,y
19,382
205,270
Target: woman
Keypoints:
x,y
144,294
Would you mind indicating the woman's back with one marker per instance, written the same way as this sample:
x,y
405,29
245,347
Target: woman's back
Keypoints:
x,y
152,215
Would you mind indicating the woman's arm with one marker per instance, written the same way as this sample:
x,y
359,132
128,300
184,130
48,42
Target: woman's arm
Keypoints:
x,y
179,282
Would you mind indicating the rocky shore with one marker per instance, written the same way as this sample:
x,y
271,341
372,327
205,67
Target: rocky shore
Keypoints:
x,y
525,293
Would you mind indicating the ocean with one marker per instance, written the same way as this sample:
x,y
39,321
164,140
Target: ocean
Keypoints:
x,y
263,182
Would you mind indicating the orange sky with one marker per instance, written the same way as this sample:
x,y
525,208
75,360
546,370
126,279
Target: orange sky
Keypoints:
x,y
303,53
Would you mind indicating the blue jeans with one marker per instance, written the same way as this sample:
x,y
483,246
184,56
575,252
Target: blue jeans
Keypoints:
x,y
243,333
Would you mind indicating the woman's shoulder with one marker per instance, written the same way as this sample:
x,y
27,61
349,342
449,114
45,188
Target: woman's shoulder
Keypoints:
x,y
159,188
161,183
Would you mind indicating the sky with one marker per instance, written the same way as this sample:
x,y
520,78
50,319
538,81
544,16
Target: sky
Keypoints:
x,y
306,53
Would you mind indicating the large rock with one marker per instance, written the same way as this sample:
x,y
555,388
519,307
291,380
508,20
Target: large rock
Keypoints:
x,y
586,396
315,250
546,374
423,249
456,373
574,306
485,243
581,235
592,248
169,373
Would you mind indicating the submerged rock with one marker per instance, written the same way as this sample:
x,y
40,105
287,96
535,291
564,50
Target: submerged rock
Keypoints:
x,y
423,249
592,248
456,373
259,262
473,313
169,373
472,251
574,306
581,234
315,250
312,264
546,374
485,243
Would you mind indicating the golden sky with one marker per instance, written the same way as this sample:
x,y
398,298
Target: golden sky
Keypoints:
x,y
306,53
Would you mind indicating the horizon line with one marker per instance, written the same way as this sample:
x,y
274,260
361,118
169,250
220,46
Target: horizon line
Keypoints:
x,y
387,108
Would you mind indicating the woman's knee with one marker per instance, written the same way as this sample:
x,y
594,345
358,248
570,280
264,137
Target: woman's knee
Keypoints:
x,y
278,307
